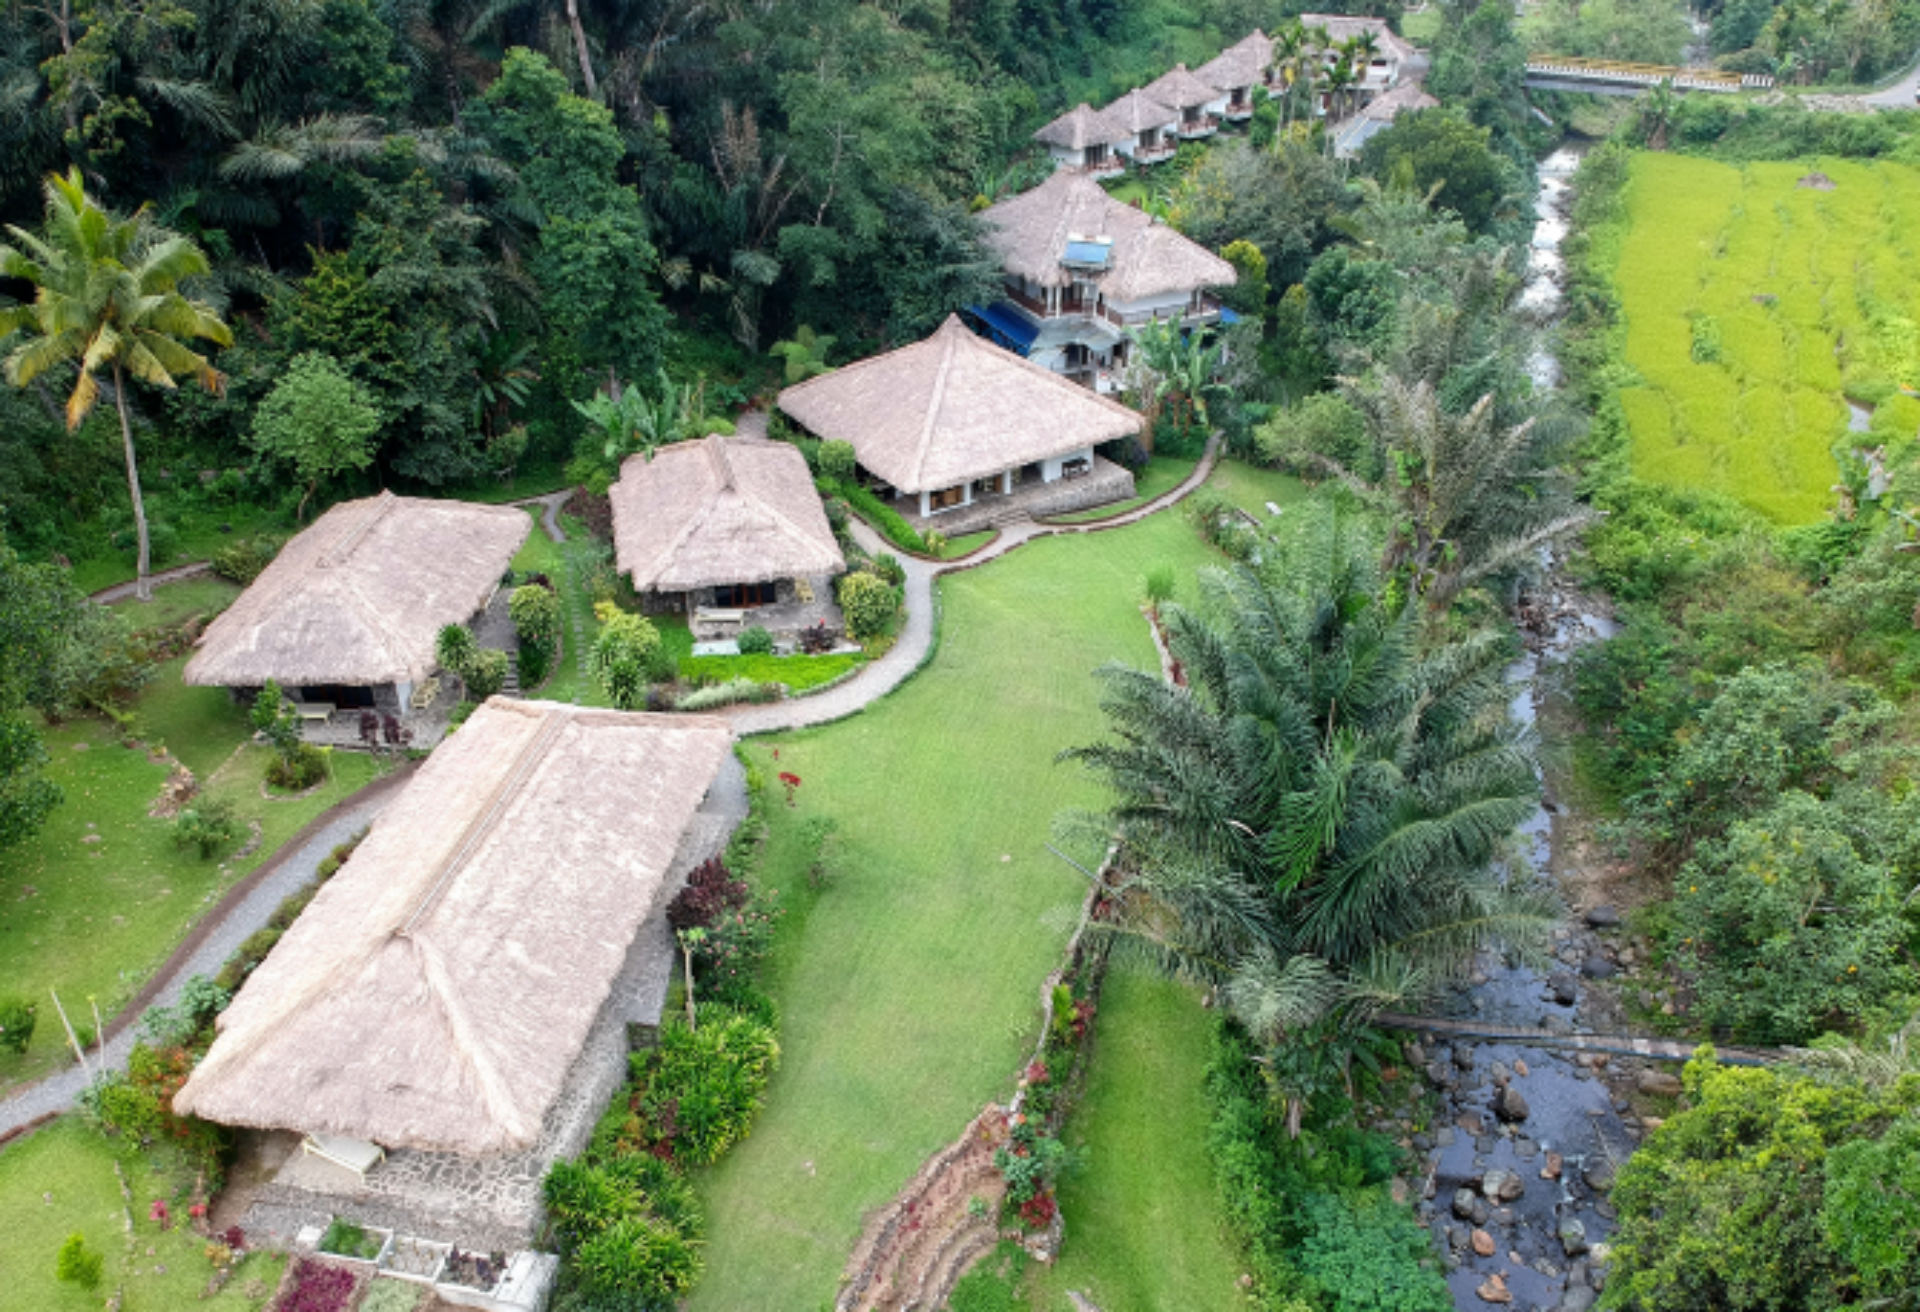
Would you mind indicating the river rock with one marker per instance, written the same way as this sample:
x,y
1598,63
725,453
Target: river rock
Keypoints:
x,y
1577,1299
1660,1084
1573,1236
1505,1186
1551,1171
1520,1068
1510,1105
1463,1056
1482,1211
1499,1073
1463,1201
1597,967
1483,1243
1443,1136
1441,1075
1599,1176
1495,1291
1471,1123
1603,916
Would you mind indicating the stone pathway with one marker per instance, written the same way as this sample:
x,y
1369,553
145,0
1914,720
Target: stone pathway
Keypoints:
x,y
124,591
56,1092
909,653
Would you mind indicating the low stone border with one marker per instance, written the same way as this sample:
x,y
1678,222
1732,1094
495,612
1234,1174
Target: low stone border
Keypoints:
x,y
22,1131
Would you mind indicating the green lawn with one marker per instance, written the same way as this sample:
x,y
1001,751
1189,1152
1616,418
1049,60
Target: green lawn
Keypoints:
x,y
909,987
197,537
1162,475
1753,306
174,604
60,1181
967,542
1423,27
1141,1233
799,673
94,903
561,562
1250,487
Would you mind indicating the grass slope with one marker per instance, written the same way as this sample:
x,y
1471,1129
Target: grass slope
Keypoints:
x,y
909,988
60,1181
95,902
1142,1234
1811,295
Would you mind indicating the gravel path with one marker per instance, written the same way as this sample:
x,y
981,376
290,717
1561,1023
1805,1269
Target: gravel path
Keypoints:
x,y
122,591
549,511
56,1092
881,677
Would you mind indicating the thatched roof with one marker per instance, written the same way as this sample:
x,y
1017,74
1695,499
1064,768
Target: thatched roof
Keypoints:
x,y
1138,112
1083,126
1181,89
437,990
1030,233
720,510
1402,99
359,597
1242,64
954,407
1344,27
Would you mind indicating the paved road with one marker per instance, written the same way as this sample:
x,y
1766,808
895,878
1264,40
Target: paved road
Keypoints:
x,y
881,677
1901,93
57,1091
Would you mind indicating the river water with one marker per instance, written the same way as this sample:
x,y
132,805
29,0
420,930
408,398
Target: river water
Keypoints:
x,y
1520,1160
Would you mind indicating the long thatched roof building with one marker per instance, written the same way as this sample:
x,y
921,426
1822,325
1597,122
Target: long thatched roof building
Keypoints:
x,y
1081,127
954,408
717,511
359,597
437,990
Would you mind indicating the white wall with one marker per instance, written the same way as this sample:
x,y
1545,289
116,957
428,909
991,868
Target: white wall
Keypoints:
x,y
1050,469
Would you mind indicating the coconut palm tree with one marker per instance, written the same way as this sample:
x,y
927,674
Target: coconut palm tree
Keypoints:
x,y
1314,823
107,298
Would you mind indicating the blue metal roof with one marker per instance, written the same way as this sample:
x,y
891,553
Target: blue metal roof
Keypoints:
x,y
1093,254
1006,326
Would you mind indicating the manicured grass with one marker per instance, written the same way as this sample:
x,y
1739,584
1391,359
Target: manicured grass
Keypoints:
x,y
200,726
198,536
1423,27
1162,475
174,604
1251,487
60,1181
562,562
96,901
960,546
799,673
1140,1235
909,987
1811,295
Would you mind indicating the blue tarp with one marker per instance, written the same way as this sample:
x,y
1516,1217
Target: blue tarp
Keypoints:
x,y
1228,317
1006,326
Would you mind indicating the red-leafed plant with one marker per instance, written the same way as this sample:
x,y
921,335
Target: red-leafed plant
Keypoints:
x,y
158,1212
789,782
317,1287
711,892
1037,1212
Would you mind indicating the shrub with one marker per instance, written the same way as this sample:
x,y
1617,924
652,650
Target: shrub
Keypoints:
x,y
536,616
318,1287
726,694
1367,1255
704,1086
299,769
486,674
17,1017
244,559
454,647
836,460
755,641
868,604
889,568
274,718
626,656
1159,585
1324,424
78,1264
532,665
641,1257
885,519
200,1000
710,892
209,824
251,952
348,1240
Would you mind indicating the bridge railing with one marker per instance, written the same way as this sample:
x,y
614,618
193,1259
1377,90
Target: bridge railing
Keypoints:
x,y
1623,73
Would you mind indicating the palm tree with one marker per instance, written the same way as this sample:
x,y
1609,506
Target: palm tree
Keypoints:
x,y
1175,368
107,296
1313,824
805,354
1289,46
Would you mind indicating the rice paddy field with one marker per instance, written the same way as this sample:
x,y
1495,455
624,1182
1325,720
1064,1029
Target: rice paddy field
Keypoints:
x,y
1754,307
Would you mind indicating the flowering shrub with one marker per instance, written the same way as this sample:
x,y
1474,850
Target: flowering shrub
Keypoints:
x,y
139,1105
1037,1212
317,1287
868,604
626,656
1030,1161
704,1086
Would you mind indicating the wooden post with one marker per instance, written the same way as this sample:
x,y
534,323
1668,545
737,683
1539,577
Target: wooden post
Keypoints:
x,y
73,1040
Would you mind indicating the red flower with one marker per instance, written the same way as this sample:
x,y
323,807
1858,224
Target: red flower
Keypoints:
x,y
158,1212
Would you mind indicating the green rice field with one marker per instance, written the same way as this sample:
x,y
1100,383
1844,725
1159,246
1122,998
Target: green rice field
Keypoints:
x,y
1754,307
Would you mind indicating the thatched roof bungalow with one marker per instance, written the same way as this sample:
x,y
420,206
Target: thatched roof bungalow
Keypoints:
x,y
348,612
1199,102
438,989
955,425
1237,70
1081,267
1151,124
726,522
1087,140
1377,115
1394,58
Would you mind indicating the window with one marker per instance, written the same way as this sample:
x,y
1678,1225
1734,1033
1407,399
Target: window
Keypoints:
x,y
739,595
947,496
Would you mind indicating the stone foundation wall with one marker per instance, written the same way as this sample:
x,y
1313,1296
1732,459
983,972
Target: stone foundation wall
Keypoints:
x,y
1107,484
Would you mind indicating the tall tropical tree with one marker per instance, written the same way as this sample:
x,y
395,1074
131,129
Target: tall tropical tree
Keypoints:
x,y
107,299
1315,822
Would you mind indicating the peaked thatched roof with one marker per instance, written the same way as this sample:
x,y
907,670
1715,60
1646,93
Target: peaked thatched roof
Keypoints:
x,y
1401,99
1242,64
1139,112
359,597
438,988
1181,89
954,407
1344,27
1083,126
720,510
1030,233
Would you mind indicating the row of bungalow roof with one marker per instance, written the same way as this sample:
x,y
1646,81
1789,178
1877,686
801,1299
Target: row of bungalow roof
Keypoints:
x,y
1147,125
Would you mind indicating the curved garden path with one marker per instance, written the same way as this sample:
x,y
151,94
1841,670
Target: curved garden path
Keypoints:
x,y
909,652
245,909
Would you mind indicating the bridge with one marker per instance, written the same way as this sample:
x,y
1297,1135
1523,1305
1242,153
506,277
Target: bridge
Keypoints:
x,y
1611,77
1624,1045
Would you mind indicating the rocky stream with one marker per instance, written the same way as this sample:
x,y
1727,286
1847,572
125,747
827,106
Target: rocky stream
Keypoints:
x,y
1523,1155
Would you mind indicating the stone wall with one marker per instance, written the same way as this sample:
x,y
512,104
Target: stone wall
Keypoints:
x,y
1107,484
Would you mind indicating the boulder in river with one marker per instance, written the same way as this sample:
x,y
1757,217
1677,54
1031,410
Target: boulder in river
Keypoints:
x,y
1661,1084
1503,1186
1565,988
1483,1243
1599,1176
1573,1236
1510,1105
1463,1201
1603,916
1495,1290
